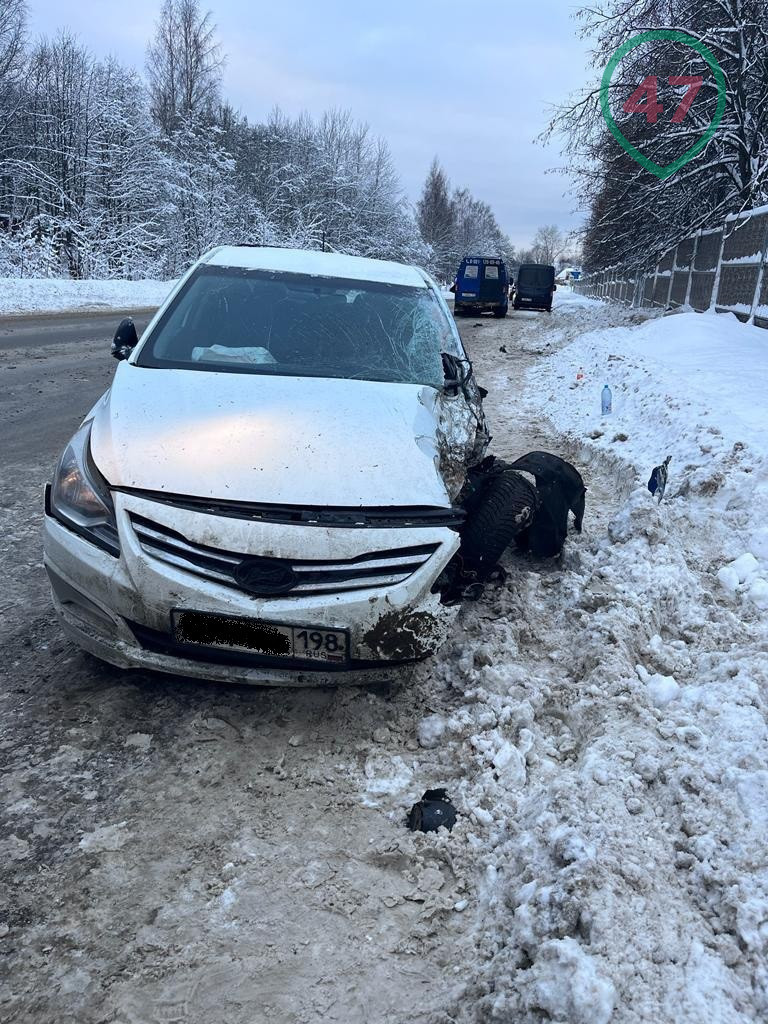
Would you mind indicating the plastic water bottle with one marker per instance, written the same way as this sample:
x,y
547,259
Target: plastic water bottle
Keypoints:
x,y
607,400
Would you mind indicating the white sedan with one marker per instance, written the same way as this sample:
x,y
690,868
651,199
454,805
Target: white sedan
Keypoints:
x,y
267,492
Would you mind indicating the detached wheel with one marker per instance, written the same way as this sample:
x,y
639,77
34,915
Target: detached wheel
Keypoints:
x,y
500,311
505,508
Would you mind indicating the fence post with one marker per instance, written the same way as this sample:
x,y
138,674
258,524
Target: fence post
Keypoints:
x,y
718,269
696,238
671,277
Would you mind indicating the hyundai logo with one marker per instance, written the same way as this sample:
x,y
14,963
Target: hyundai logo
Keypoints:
x,y
265,576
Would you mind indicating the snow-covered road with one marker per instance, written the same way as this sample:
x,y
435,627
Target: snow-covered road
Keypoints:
x,y
182,852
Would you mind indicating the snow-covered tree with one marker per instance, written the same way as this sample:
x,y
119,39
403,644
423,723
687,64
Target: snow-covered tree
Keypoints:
x,y
436,218
477,232
104,175
548,245
12,26
633,215
183,64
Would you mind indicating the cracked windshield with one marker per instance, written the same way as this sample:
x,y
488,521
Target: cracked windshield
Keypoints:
x,y
291,325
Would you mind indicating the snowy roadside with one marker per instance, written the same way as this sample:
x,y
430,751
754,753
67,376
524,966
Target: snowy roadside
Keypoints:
x,y
602,728
50,295
691,386
628,872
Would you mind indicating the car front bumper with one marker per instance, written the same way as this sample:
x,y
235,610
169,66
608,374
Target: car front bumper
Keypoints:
x,y
119,609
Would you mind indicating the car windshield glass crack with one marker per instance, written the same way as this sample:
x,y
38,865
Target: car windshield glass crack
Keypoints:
x,y
290,324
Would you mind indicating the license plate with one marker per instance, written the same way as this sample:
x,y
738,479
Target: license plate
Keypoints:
x,y
276,640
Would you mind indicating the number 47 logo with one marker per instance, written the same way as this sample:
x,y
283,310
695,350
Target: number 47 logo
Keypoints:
x,y
645,98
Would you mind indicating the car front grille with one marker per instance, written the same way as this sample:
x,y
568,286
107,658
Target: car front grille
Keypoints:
x,y
374,569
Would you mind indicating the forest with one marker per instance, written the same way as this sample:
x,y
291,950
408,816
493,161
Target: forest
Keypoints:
x,y
110,172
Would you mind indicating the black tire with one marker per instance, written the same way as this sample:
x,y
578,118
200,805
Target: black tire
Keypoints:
x,y
515,306
500,311
505,508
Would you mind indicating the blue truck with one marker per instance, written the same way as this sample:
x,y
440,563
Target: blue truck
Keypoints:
x,y
481,286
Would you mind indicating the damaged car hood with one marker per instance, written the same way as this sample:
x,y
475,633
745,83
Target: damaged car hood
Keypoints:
x,y
260,438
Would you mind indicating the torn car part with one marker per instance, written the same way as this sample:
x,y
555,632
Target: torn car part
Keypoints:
x,y
657,483
432,812
561,490
553,471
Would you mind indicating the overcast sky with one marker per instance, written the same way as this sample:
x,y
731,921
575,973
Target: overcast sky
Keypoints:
x,y
468,82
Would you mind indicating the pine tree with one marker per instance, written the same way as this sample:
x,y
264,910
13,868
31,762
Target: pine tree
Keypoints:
x,y
437,221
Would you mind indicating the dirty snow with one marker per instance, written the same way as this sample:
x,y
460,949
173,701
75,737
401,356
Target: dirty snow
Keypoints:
x,y
430,731
178,851
50,295
635,689
606,727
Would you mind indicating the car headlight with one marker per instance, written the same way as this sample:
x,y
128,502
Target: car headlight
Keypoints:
x,y
80,497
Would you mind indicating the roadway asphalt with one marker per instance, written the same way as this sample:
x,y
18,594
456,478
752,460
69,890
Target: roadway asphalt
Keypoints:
x,y
43,329
52,370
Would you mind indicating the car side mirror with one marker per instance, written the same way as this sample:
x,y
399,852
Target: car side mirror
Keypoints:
x,y
125,339
455,373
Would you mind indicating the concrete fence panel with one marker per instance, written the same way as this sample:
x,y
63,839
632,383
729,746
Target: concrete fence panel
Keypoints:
x,y
745,239
708,251
667,261
761,310
679,288
661,290
737,287
685,251
701,290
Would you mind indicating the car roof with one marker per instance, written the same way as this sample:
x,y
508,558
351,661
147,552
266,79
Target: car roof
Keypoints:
x,y
316,264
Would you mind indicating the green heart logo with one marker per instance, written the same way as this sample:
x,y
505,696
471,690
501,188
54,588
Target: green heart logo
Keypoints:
x,y
689,154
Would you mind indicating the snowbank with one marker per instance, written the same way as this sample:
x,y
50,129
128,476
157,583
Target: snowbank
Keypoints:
x,y
691,386
672,377
566,296
49,295
681,588
603,730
